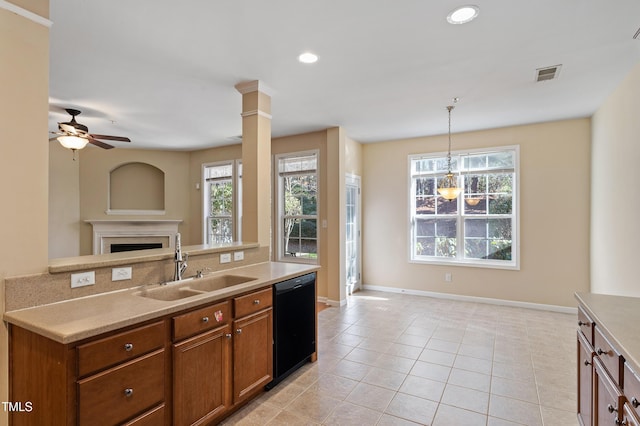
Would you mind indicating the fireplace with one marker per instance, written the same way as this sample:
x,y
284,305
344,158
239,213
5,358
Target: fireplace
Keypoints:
x,y
118,247
127,235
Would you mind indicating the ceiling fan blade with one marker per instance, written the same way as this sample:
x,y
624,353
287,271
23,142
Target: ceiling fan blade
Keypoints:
x,y
98,143
111,138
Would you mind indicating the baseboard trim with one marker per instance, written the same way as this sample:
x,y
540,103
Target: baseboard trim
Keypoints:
x,y
487,300
329,302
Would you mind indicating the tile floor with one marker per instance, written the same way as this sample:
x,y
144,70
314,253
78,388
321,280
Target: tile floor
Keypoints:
x,y
394,359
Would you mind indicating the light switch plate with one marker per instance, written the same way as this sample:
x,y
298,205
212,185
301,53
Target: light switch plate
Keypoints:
x,y
225,258
120,274
82,279
238,255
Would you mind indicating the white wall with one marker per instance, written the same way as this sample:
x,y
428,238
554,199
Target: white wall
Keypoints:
x,y
554,219
615,198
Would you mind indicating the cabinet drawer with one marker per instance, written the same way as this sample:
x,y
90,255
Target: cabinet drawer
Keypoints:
x,y
253,302
586,324
201,320
632,388
107,352
608,355
153,417
118,394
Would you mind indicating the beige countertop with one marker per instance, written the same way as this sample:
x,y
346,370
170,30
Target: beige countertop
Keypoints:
x,y
619,317
73,320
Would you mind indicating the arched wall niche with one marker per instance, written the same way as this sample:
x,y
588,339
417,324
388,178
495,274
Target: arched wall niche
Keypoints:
x,y
136,188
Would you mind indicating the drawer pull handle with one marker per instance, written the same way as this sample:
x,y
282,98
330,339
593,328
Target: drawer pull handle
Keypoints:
x,y
128,347
128,392
611,408
581,323
205,319
601,352
586,362
634,402
256,302
239,331
228,335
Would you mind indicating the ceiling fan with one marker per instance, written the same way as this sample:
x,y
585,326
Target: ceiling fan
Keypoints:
x,y
74,135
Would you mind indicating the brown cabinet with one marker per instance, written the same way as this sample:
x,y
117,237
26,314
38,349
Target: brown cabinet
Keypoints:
x,y
252,353
186,368
608,386
201,382
585,380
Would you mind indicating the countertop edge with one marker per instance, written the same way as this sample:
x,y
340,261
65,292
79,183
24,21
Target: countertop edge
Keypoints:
x,y
156,309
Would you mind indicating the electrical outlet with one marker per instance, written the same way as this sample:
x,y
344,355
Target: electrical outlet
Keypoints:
x,y
225,258
238,255
82,279
120,274
447,277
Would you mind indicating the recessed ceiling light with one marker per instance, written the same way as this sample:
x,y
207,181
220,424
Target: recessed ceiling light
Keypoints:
x,y
463,14
308,58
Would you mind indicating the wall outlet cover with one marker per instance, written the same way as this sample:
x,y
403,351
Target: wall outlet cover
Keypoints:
x,y
225,258
120,274
238,255
82,279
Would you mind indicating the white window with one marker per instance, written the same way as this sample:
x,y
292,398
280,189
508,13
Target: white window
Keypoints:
x,y
480,227
297,203
220,203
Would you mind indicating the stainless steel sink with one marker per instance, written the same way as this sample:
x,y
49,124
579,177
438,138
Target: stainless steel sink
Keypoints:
x,y
192,287
217,283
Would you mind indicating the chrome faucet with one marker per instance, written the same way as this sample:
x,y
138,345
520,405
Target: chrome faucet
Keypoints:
x,y
179,260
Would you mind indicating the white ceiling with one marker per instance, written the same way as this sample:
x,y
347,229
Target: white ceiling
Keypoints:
x,y
163,72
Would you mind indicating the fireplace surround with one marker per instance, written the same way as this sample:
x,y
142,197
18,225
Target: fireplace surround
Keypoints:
x,y
108,232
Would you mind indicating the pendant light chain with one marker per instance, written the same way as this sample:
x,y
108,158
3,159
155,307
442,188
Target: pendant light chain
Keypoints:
x,y
449,108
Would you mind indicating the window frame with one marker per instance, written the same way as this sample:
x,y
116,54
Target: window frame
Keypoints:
x,y
279,207
235,213
460,215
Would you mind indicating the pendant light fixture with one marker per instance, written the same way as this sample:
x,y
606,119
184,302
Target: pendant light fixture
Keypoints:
x,y
449,185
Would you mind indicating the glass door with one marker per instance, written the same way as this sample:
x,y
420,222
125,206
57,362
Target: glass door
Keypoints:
x,y
352,243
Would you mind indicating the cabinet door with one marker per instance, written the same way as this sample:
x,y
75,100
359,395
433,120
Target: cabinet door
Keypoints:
x,y
607,398
585,379
201,382
252,353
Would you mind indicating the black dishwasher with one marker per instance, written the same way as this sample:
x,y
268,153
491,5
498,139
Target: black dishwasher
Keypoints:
x,y
294,325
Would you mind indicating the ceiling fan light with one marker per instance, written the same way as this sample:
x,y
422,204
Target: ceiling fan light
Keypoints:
x,y
72,142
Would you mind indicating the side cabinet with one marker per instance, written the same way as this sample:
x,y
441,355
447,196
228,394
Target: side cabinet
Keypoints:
x,y
585,380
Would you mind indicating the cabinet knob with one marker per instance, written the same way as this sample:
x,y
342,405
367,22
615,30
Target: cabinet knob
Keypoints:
x,y
611,408
601,352
228,335
634,402
205,319
128,392
239,331
581,323
128,347
256,302
586,362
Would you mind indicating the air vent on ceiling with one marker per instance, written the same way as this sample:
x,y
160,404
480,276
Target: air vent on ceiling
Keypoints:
x,y
637,34
548,73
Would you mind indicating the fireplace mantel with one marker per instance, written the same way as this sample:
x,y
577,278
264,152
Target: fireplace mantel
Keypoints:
x,y
107,231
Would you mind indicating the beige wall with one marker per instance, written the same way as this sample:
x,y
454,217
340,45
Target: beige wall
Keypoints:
x,y
353,157
615,228
24,158
554,223
95,165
